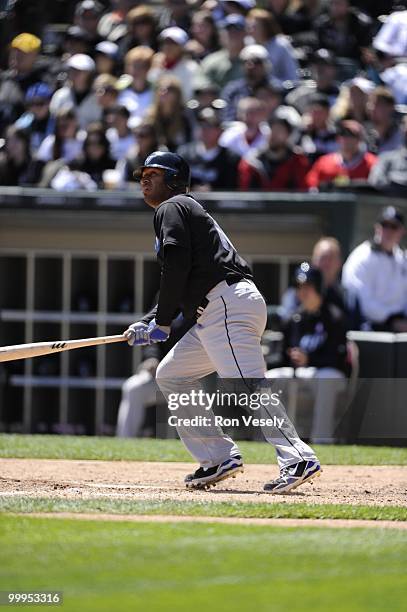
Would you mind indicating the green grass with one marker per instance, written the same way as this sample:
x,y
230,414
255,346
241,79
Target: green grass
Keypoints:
x,y
102,566
82,447
204,508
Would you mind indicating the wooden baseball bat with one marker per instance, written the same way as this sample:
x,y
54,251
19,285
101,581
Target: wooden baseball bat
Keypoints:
x,y
25,351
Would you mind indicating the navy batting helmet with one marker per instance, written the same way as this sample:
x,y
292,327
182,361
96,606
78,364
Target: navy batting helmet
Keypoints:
x,y
307,275
177,173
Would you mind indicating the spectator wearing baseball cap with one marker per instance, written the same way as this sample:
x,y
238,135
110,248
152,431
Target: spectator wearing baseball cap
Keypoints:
x,y
314,350
264,30
323,81
78,93
37,120
237,7
225,65
351,162
390,44
213,166
87,15
352,100
77,40
106,56
279,166
26,43
172,60
257,70
376,271
26,67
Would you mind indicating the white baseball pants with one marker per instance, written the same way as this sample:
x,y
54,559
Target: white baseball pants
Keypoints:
x,y
226,339
138,393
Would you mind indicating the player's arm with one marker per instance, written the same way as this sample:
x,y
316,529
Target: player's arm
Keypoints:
x,y
174,275
149,316
172,228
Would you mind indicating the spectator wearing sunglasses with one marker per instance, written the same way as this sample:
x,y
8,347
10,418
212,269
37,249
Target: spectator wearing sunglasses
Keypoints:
x,y
77,91
376,271
172,60
95,157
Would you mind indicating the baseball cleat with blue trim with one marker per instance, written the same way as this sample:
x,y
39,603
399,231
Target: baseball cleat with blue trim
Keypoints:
x,y
205,477
293,476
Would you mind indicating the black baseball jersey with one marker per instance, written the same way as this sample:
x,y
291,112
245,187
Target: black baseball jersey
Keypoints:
x,y
195,255
321,335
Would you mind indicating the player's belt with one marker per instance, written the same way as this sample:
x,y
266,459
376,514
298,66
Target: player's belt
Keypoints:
x,y
229,281
201,307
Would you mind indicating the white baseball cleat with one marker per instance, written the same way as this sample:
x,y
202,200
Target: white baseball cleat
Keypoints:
x,y
293,476
204,478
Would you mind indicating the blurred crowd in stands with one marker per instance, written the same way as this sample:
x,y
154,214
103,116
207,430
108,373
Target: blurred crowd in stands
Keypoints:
x,y
270,95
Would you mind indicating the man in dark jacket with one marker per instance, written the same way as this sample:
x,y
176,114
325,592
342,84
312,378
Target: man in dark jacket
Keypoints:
x,y
344,31
314,347
212,166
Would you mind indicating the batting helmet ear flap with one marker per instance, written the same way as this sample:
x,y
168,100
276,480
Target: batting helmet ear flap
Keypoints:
x,y
171,180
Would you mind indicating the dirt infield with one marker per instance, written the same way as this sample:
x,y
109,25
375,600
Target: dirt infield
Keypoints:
x,y
67,479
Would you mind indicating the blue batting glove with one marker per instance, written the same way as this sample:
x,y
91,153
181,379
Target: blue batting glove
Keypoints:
x,y
137,334
158,333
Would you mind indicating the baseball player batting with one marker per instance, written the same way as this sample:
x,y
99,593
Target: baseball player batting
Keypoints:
x,y
204,277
